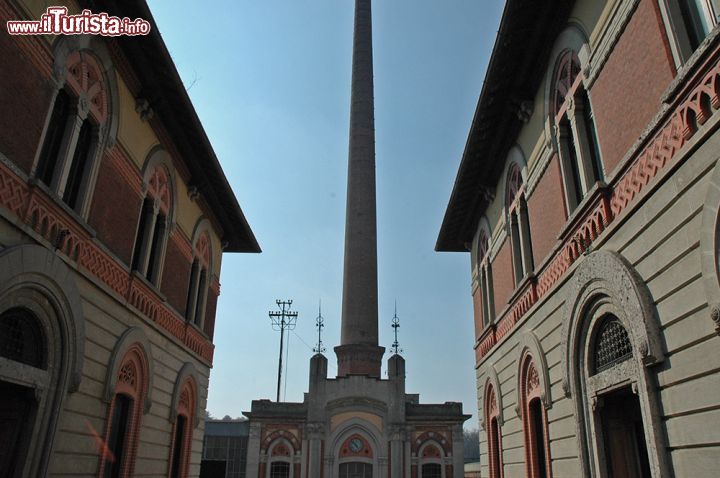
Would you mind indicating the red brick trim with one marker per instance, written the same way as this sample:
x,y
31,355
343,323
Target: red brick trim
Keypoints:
x,y
531,390
186,406
132,381
62,231
680,125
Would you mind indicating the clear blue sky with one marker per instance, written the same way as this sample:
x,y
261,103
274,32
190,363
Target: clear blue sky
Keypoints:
x,y
270,80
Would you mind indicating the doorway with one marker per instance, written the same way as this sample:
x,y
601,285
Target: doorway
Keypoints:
x,y
624,437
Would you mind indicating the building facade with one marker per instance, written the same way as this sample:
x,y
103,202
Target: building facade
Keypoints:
x,y
357,425
588,197
224,453
114,214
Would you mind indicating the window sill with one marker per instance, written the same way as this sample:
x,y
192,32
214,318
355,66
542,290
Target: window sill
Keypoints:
x,y
599,190
135,275
34,183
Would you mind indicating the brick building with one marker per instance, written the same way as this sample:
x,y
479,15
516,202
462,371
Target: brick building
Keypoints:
x,y
587,197
114,214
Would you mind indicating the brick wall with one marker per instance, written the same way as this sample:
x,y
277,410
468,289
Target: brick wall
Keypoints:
x,y
115,211
626,94
546,210
176,276
25,97
503,282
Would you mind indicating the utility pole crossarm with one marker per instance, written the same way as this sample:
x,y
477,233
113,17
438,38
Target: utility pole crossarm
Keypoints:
x,y
282,320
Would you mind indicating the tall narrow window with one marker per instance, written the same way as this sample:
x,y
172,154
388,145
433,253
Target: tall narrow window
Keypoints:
x,y
152,234
484,266
117,438
179,440
518,224
184,412
494,437
578,145
129,380
78,166
534,420
199,281
72,146
53,138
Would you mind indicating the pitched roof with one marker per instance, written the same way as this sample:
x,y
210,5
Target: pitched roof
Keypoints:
x,y
528,29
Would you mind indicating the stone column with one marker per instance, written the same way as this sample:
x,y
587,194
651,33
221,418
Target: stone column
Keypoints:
x,y
252,468
359,352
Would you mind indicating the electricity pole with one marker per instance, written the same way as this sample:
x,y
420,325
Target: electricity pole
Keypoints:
x,y
282,320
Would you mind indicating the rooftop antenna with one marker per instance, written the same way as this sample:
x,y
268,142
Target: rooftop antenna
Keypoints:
x,y
319,325
282,320
396,325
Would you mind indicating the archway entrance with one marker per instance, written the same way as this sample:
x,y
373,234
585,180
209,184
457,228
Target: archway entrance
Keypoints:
x,y
624,435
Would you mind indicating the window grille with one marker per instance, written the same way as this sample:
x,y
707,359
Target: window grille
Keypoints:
x,y
431,470
21,339
612,345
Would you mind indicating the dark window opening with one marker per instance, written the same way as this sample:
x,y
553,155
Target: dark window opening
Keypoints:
x,y
21,338
592,138
117,438
538,436
53,138
574,167
17,418
693,20
157,240
145,215
178,448
612,345
431,470
495,462
78,167
202,286
356,470
280,469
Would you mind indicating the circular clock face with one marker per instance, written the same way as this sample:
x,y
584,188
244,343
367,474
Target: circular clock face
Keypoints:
x,y
356,445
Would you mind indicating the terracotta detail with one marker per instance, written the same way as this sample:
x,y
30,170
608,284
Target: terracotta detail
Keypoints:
x,y
533,380
431,451
159,188
62,231
202,249
85,79
128,374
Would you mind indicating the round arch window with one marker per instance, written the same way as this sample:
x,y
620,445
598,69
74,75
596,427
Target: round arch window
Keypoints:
x,y
612,345
21,338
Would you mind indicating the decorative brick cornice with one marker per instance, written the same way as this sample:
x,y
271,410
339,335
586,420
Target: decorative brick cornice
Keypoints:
x,y
679,126
62,231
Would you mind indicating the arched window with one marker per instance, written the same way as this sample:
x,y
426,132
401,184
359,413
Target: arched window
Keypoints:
x,y
537,461
184,418
485,279
75,136
689,22
518,224
119,446
430,456
154,225
576,134
280,458
199,280
494,436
